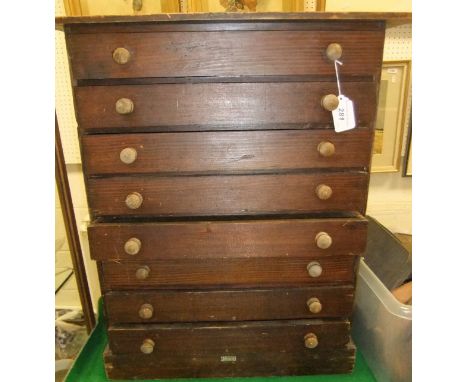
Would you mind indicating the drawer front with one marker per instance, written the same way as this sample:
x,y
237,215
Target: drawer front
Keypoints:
x,y
245,363
223,53
217,106
228,239
218,273
228,195
225,152
187,340
228,305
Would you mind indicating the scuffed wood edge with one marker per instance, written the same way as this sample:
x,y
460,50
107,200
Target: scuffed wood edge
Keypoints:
x,y
398,17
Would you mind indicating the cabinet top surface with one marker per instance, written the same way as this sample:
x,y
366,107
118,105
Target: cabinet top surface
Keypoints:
x,y
402,17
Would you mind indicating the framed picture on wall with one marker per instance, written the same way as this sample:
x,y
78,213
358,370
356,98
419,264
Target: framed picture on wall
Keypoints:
x,y
391,116
407,159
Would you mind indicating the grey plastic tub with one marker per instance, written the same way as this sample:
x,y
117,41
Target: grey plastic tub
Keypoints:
x,y
381,328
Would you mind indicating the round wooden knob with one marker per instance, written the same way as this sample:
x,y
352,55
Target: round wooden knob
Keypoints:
x,y
326,149
334,51
147,346
121,56
128,155
323,192
314,268
310,341
124,106
134,200
330,102
146,311
142,273
323,240
314,304
132,246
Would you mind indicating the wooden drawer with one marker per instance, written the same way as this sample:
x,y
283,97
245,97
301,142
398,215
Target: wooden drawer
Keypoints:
x,y
228,239
218,106
225,152
229,305
247,364
227,53
227,195
226,272
190,339
227,349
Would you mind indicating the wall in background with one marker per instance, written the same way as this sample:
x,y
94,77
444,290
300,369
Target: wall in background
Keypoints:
x,y
368,6
390,194
389,201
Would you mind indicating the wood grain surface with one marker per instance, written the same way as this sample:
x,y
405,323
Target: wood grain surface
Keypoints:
x,y
228,305
227,239
225,17
223,53
232,25
225,152
228,195
229,272
248,363
218,106
187,340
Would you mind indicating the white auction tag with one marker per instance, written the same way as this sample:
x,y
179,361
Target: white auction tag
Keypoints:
x,y
343,115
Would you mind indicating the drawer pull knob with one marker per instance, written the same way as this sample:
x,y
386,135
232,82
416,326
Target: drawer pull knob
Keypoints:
x,y
132,246
124,106
310,341
146,311
314,268
323,240
323,192
334,51
330,102
121,56
128,155
134,200
147,346
326,149
314,304
142,273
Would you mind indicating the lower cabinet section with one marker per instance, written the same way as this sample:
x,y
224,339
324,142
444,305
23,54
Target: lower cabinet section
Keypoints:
x,y
261,348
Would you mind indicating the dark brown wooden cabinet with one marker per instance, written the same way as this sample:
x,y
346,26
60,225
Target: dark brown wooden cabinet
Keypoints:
x,y
227,212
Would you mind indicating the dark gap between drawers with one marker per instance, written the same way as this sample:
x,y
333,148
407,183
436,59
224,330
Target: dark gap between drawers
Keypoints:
x,y
218,79
206,128
225,218
231,173
133,130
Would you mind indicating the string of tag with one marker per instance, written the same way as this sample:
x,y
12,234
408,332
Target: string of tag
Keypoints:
x,y
337,76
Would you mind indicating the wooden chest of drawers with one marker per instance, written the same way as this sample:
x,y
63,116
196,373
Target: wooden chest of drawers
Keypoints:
x,y
227,212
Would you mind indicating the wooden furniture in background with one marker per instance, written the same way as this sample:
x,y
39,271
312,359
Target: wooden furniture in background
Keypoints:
x,y
227,213
66,202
